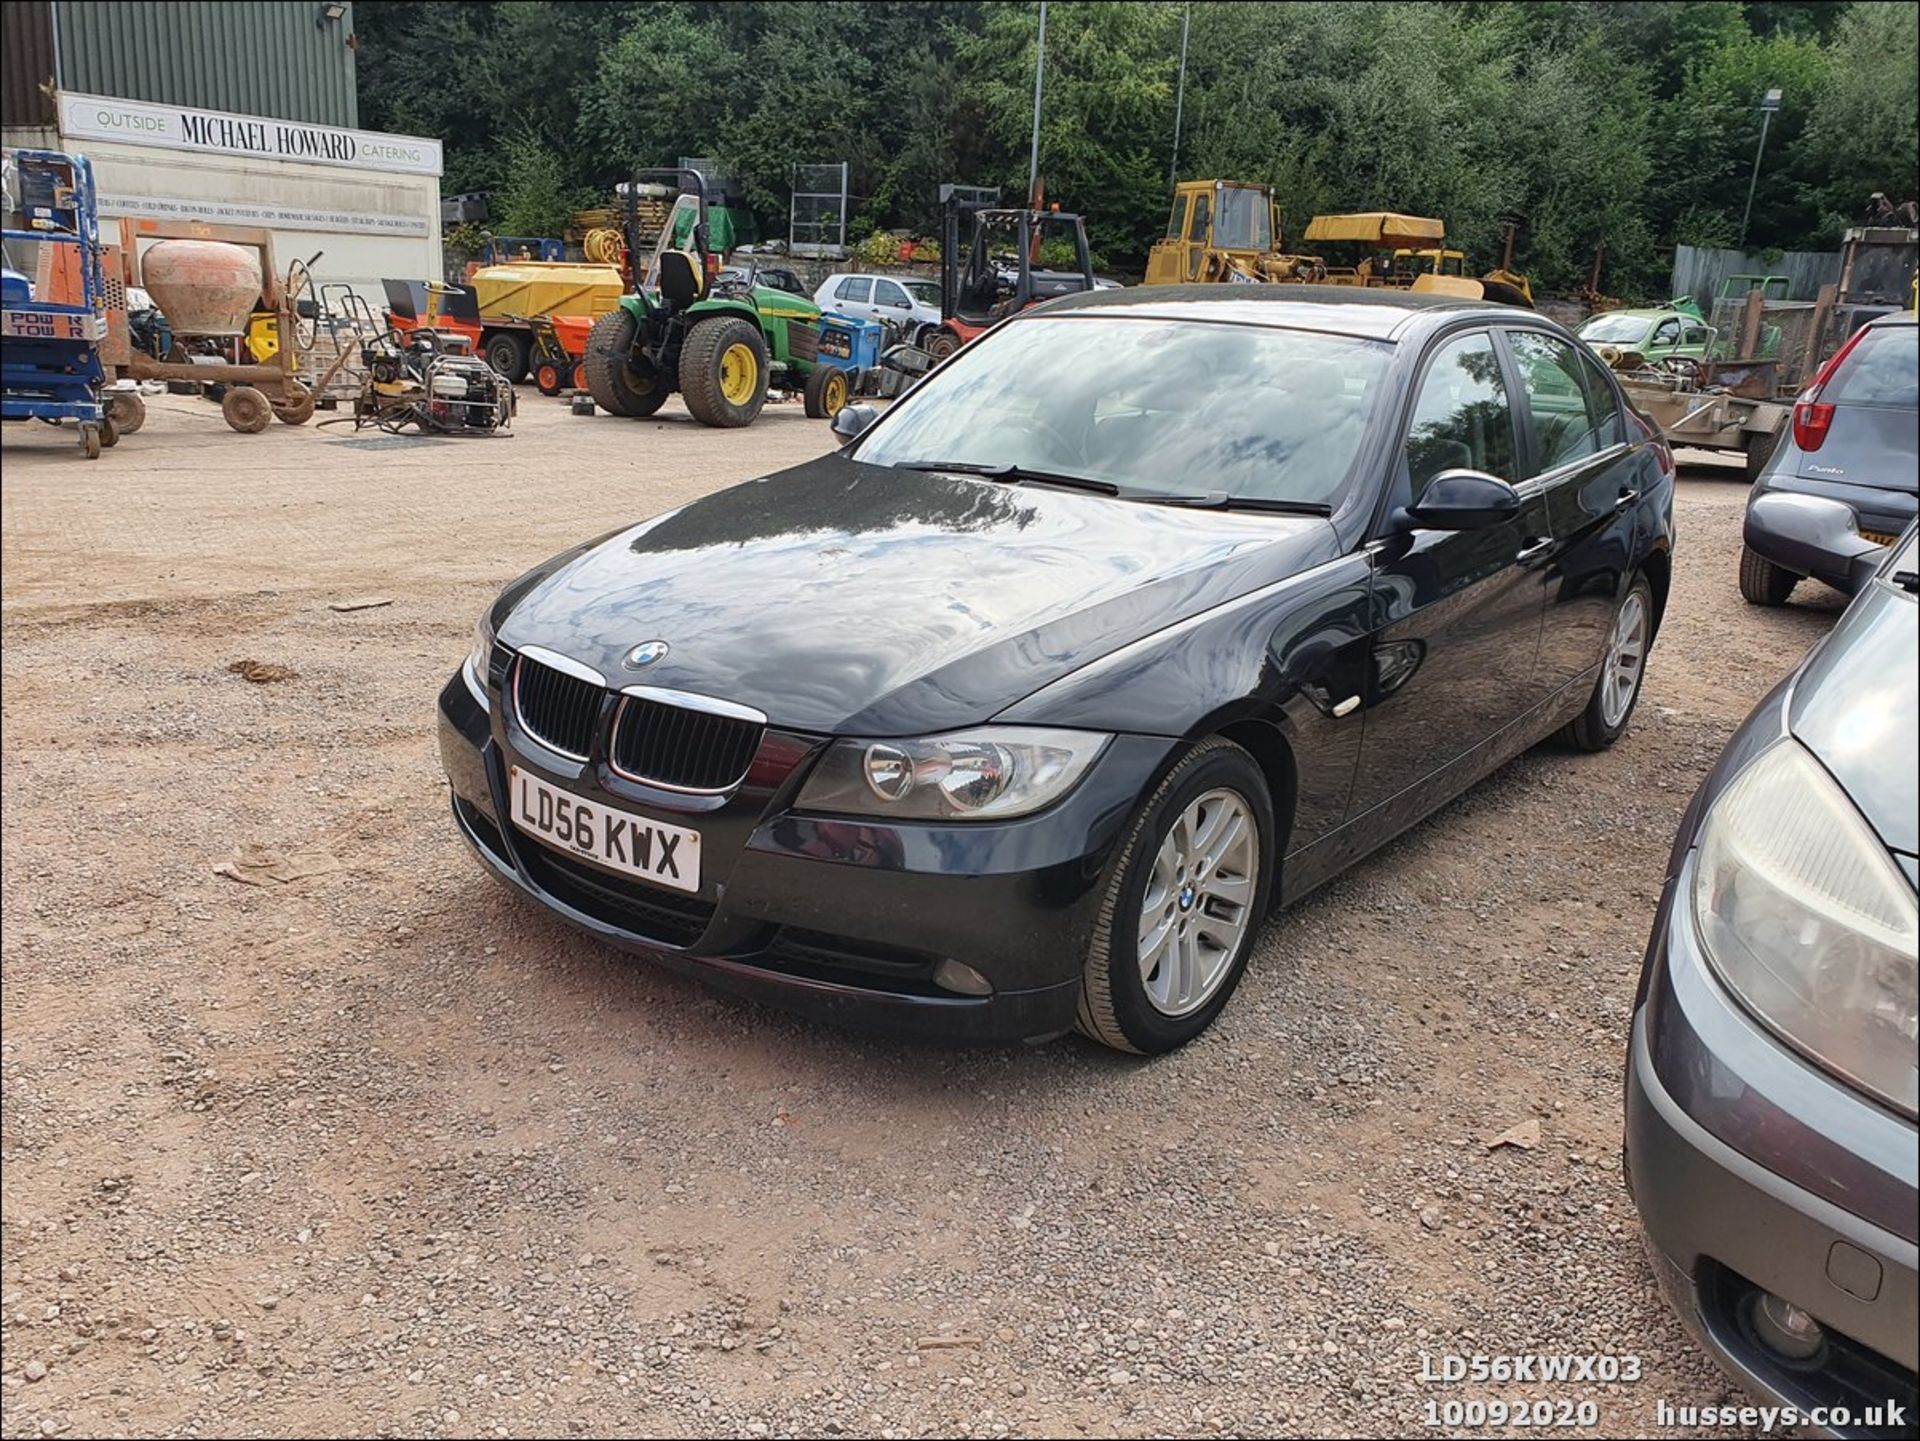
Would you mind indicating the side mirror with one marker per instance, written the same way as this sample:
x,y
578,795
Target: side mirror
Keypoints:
x,y
853,419
1464,500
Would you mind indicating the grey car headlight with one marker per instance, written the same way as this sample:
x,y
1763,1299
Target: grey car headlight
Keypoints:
x,y
984,774
1807,920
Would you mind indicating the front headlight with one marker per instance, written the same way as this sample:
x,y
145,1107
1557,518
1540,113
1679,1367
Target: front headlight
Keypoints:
x,y
984,774
481,656
1809,922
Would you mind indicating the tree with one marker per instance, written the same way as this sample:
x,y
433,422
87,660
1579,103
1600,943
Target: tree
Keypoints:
x,y
1632,123
1861,138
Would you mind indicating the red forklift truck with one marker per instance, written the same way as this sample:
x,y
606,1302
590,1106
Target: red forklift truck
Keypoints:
x,y
1001,272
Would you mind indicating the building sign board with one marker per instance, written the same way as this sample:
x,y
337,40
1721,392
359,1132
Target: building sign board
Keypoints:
x,y
274,217
258,137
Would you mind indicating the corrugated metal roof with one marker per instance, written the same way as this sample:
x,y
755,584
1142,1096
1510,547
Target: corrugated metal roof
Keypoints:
x,y
26,64
252,58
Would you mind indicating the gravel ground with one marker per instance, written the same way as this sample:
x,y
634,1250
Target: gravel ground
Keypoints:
x,y
385,1150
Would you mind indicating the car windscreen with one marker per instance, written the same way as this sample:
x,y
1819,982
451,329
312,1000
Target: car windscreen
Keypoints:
x,y
1180,407
1882,370
1614,329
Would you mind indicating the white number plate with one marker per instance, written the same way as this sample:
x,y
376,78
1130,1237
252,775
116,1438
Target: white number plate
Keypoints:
x,y
621,841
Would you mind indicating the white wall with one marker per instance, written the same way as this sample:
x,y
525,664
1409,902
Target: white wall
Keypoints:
x,y
343,210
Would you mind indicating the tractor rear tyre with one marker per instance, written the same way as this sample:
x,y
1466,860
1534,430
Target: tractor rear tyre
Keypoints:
x,y
942,343
723,371
246,409
127,410
826,391
621,385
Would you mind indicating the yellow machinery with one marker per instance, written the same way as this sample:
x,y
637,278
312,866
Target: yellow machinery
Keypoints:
x,y
538,288
1222,230
1409,252
1383,235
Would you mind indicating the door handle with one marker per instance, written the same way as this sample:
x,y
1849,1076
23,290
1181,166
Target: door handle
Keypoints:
x,y
1627,498
1534,551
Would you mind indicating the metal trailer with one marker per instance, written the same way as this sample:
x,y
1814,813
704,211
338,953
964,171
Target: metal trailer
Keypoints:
x,y
1719,405
50,369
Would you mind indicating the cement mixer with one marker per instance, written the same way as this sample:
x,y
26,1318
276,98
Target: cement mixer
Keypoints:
x,y
208,281
204,287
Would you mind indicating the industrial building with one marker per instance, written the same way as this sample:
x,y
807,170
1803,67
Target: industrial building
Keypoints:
x,y
232,113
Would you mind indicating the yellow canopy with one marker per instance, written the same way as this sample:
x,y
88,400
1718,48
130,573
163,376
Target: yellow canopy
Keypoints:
x,y
1378,227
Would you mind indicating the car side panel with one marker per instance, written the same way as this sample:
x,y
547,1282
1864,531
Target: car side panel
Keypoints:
x,y
1286,655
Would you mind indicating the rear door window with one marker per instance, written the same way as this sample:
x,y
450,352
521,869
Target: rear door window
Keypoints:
x,y
858,290
1568,418
1882,370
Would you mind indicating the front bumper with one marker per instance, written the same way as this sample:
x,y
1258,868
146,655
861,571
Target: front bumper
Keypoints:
x,y
1755,1172
840,920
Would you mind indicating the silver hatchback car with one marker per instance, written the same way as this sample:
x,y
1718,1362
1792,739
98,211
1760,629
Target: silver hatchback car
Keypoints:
x,y
1772,1089
1846,482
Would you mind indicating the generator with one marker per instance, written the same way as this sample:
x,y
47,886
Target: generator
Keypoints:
x,y
432,381
849,362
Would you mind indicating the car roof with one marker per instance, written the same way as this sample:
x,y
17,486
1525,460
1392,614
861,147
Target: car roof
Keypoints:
x,y
1377,314
1899,317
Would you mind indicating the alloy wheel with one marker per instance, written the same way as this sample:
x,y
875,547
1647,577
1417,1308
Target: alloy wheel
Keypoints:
x,y
1626,659
1199,902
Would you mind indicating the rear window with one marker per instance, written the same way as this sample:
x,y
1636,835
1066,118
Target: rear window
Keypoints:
x,y
1883,370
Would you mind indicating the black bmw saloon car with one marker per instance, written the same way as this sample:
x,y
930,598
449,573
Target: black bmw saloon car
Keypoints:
x,y
1144,614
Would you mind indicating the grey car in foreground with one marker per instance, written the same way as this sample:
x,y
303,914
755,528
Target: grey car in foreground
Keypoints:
x,y
1771,1086
1843,484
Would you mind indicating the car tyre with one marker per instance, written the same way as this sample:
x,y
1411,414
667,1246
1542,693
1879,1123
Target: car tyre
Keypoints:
x,y
1116,1007
1760,446
619,385
1761,581
1623,672
723,372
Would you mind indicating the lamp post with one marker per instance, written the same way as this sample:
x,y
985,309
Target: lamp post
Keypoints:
x,y
1039,76
1769,103
1179,97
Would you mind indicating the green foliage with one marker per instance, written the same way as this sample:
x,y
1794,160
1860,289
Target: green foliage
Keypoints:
x,y
1862,138
1633,124
536,197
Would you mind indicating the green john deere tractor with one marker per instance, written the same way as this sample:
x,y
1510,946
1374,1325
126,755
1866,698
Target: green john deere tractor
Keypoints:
x,y
718,341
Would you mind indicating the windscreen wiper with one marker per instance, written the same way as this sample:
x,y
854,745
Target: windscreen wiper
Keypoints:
x,y
1220,500
1012,474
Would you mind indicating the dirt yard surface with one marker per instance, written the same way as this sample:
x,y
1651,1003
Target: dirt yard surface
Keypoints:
x,y
383,1149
